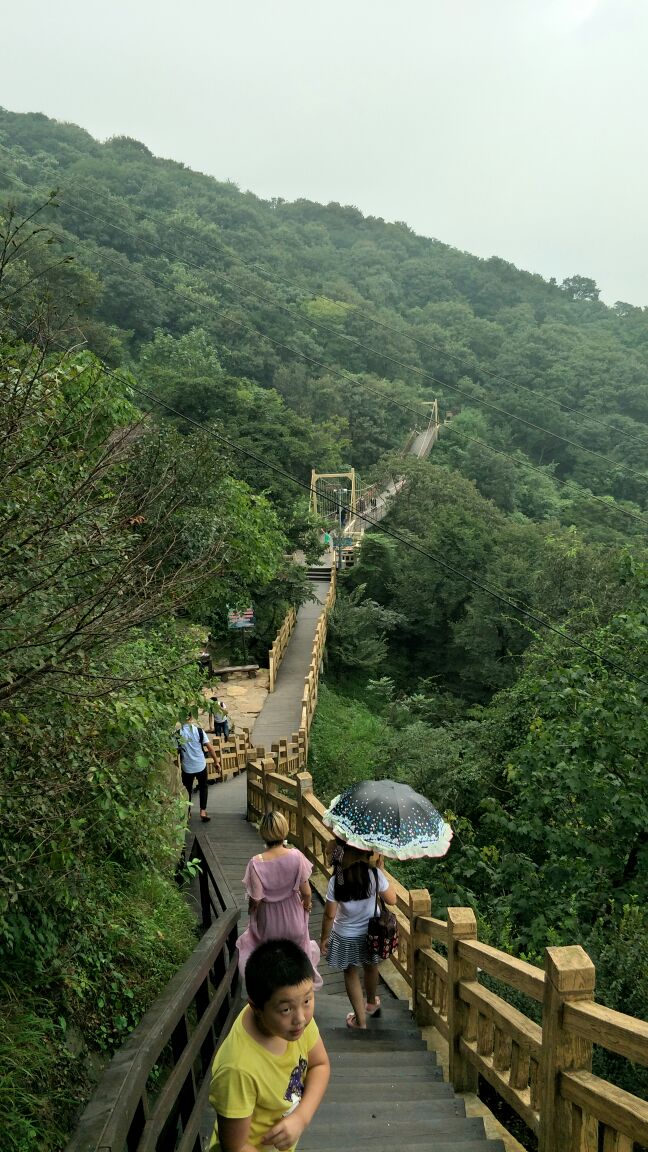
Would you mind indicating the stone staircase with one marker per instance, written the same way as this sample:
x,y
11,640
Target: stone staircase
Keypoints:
x,y
387,1092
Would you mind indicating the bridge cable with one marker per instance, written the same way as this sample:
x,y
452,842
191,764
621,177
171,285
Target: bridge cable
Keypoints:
x,y
273,277
404,541
615,466
254,329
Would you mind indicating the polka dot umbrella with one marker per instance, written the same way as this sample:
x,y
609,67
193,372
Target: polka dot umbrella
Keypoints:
x,y
388,817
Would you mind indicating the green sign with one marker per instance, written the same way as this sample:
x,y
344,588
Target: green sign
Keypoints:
x,y
343,541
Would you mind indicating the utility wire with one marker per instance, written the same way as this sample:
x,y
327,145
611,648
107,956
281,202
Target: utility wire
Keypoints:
x,y
410,334
407,543
385,397
388,327
177,258
402,540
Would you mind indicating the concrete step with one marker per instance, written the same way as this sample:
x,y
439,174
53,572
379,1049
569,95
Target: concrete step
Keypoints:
x,y
368,1107
344,1090
387,1142
420,1073
389,1040
391,1133
384,1058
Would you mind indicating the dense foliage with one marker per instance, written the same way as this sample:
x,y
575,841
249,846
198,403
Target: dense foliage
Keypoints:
x,y
173,352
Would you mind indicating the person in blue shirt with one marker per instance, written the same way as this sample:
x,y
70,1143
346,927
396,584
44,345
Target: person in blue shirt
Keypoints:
x,y
192,746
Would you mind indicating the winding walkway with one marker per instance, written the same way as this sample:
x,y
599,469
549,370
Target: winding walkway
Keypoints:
x,y
281,712
386,1089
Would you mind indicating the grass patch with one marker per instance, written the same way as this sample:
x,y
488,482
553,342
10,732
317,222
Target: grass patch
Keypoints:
x,y
348,743
137,931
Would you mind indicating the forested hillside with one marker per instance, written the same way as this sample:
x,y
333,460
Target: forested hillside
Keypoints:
x,y
173,352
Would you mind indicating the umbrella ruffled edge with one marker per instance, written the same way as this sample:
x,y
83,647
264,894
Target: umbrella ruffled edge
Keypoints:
x,y
411,851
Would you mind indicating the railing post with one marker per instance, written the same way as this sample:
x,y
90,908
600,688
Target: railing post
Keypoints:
x,y
420,904
267,765
461,926
304,782
569,975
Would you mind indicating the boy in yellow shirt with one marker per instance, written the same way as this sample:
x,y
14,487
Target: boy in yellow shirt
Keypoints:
x,y
270,1074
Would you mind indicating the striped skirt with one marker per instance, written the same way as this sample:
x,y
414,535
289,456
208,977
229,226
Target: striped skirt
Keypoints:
x,y
349,952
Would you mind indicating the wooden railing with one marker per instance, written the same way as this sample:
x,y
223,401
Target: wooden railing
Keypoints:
x,y
233,754
543,1071
279,645
153,1095
311,682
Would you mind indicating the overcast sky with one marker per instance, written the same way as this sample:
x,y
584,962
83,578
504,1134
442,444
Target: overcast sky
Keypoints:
x,y
513,128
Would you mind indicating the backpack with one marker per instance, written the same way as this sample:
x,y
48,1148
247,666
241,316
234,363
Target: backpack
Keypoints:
x,y
180,745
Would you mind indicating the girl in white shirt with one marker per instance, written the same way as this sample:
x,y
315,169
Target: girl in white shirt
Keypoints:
x,y
350,904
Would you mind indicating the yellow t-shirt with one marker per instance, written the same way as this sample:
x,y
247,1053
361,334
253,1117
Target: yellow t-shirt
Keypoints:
x,y
247,1080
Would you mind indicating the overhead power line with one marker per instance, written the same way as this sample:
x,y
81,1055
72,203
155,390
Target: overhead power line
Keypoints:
x,y
408,368
347,377
511,604
407,334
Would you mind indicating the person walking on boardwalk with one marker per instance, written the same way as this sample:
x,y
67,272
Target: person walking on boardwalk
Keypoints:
x,y
192,744
221,717
279,895
270,1074
350,904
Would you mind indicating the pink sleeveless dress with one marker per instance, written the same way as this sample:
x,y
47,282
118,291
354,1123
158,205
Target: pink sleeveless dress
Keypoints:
x,y
280,914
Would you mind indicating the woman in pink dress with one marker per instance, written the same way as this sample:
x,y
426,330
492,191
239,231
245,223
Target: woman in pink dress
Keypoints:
x,y
279,903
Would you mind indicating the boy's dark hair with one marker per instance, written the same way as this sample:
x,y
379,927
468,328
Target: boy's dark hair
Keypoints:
x,y
356,882
275,964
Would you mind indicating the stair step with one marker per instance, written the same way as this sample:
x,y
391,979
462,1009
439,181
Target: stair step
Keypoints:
x,y
383,1058
344,1090
385,1143
397,1016
388,1029
391,1134
388,1040
361,1110
372,1074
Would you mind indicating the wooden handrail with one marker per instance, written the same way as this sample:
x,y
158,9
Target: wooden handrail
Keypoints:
x,y
542,1072
613,1030
617,1110
516,973
124,1112
279,645
181,1030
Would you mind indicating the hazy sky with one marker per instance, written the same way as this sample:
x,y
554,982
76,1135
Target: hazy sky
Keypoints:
x,y
513,128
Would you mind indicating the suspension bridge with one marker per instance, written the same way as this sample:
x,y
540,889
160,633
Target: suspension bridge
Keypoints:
x,y
388,1088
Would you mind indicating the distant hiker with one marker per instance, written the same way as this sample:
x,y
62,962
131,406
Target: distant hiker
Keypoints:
x,y
221,718
192,744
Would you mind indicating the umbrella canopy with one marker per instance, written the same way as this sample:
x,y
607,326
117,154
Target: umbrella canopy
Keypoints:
x,y
388,817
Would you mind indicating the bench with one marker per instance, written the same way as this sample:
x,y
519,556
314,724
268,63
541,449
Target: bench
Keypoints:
x,y
230,669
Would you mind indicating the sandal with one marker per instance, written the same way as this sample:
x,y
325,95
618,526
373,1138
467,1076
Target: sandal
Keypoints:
x,y
352,1022
373,1009
205,818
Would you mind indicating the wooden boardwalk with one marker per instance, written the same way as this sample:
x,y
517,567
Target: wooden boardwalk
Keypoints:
x,y
386,1089
281,713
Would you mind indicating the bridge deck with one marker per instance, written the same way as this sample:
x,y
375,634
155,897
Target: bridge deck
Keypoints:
x,y
386,1089
281,713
